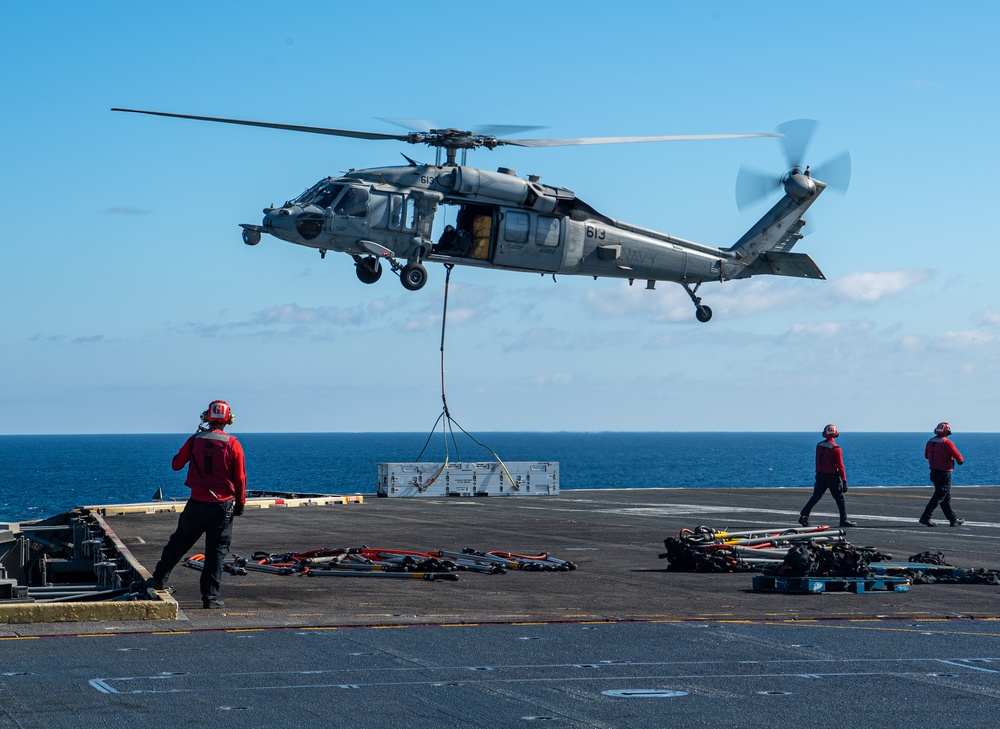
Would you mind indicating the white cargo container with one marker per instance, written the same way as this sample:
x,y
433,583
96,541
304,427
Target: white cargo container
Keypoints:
x,y
468,479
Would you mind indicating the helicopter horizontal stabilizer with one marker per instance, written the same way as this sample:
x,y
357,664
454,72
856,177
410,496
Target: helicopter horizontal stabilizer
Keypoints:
x,y
774,263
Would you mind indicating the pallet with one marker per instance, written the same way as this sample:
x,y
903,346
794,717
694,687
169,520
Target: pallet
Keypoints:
x,y
888,568
812,585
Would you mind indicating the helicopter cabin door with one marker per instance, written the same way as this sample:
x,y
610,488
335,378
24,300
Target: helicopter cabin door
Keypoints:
x,y
529,240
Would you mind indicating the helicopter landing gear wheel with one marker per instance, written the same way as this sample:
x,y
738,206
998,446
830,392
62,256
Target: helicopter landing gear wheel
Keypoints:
x,y
413,276
369,269
701,312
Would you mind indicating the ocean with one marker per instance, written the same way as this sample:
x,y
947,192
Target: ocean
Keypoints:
x,y
43,475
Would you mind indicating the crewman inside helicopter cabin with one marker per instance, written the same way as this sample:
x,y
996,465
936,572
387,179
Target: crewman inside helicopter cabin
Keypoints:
x,y
471,235
454,241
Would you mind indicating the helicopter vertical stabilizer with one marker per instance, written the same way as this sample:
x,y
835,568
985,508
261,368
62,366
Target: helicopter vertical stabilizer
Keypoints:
x,y
764,249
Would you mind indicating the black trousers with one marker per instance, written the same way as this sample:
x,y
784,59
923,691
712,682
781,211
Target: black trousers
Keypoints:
x,y
941,496
826,481
215,521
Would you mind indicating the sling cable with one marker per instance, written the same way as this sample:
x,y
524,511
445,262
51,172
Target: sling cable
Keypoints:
x,y
448,423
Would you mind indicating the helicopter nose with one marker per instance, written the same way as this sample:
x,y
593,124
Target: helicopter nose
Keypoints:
x,y
292,223
280,223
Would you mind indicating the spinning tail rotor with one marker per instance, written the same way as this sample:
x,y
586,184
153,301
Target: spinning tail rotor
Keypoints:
x,y
753,185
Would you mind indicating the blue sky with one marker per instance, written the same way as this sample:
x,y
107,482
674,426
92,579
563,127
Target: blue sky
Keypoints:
x,y
130,301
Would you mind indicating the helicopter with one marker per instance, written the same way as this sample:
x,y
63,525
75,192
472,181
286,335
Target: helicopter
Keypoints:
x,y
502,221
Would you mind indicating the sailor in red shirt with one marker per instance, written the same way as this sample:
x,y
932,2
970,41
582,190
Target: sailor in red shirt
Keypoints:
x,y
941,455
830,475
218,482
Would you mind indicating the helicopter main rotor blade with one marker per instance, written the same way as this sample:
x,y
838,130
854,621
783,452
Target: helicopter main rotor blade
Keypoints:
x,y
414,125
836,172
496,130
271,125
451,139
626,140
797,135
753,185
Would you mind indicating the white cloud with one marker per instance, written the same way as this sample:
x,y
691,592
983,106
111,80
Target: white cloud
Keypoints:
x,y
623,300
824,331
945,342
871,286
537,338
553,379
760,294
989,317
730,300
299,315
966,340
422,324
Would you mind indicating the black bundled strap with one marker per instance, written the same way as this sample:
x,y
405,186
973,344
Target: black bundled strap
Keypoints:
x,y
929,558
799,562
837,560
949,575
955,577
876,556
842,560
682,558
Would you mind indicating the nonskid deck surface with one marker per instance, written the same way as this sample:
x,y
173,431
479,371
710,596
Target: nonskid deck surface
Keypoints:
x,y
613,536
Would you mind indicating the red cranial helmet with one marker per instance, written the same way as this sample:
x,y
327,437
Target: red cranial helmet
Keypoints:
x,y
942,429
218,412
830,431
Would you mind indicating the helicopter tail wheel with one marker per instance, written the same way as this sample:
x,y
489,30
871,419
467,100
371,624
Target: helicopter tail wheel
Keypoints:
x,y
702,313
369,269
413,276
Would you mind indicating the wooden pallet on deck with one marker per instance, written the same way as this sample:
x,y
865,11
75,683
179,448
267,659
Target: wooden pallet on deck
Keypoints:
x,y
810,585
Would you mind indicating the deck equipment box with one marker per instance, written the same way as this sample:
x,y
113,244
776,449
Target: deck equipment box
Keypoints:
x,y
468,479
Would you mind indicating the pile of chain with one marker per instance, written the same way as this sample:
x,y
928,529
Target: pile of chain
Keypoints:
x,y
781,551
948,574
826,560
376,562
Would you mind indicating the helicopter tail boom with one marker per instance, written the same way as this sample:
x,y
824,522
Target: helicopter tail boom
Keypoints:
x,y
765,248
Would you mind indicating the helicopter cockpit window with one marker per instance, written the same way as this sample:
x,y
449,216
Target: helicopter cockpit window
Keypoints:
x,y
327,195
395,212
354,203
516,227
402,213
411,214
309,194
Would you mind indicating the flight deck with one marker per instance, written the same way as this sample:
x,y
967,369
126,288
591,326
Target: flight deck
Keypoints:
x,y
613,537
620,641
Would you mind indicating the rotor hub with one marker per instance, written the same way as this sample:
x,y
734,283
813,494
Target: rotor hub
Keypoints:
x,y
799,185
